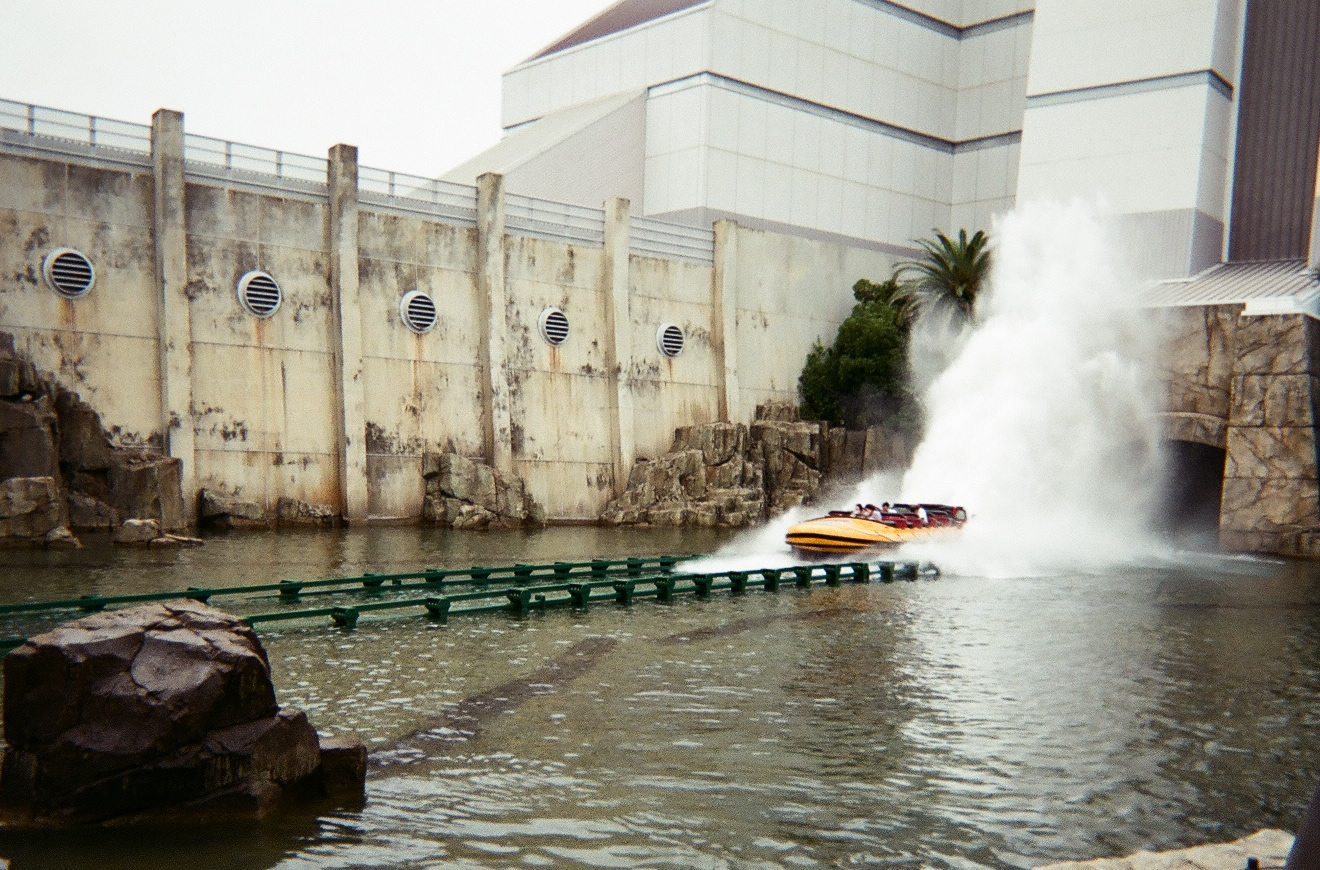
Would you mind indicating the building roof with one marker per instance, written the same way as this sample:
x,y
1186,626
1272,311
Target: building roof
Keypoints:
x,y
620,16
535,138
1269,284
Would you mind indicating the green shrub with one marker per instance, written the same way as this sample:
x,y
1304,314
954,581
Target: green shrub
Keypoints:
x,y
860,380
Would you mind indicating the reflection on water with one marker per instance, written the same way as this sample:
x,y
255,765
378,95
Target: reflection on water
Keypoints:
x,y
961,722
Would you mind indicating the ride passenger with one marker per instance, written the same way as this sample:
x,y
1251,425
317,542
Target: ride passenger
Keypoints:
x,y
922,518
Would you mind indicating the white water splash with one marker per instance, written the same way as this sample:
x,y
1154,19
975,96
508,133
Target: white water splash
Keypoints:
x,y
1044,425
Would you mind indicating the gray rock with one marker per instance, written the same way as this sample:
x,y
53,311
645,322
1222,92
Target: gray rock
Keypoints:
x,y
465,494
62,539
227,511
86,512
135,531
84,444
160,713
147,486
29,508
27,440
291,511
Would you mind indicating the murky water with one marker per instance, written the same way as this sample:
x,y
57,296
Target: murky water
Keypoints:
x,y
960,722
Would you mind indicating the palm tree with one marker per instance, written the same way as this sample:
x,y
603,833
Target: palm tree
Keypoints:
x,y
950,274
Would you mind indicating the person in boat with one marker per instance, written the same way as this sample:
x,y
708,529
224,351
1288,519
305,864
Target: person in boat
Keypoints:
x,y
922,517
872,512
859,511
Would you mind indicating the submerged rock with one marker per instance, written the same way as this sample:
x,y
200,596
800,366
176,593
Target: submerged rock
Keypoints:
x,y
165,712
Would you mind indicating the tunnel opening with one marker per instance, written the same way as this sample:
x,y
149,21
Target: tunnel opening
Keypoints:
x,y
1190,499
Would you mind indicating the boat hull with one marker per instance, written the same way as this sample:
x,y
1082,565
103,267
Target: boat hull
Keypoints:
x,y
843,534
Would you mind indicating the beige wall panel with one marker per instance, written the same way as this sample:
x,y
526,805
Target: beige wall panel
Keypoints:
x,y
455,339
265,478
568,490
660,408
416,240
395,488
115,374
102,345
413,407
263,400
791,293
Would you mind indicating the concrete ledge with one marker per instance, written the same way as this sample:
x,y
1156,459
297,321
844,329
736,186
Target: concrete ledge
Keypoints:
x,y
1269,846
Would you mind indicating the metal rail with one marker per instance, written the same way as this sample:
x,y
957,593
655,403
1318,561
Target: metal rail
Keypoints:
x,y
482,589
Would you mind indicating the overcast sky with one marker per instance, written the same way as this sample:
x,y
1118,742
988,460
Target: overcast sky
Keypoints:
x,y
415,84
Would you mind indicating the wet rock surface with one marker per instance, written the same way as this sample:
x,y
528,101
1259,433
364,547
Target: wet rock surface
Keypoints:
x,y
165,712
729,474
465,494
50,437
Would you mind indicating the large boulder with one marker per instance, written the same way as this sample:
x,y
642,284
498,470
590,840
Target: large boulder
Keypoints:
x,y
147,486
465,494
30,508
159,712
28,440
228,511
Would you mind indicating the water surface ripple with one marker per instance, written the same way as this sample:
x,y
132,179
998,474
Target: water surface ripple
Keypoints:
x,y
960,723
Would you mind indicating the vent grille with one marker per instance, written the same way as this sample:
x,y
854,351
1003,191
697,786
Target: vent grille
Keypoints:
x,y
554,326
259,295
418,311
68,272
669,338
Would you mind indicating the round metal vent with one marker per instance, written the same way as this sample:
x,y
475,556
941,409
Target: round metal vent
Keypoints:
x,y
554,326
669,338
68,272
418,311
259,294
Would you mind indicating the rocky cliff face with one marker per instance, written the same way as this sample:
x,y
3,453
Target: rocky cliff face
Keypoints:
x,y
729,474
59,469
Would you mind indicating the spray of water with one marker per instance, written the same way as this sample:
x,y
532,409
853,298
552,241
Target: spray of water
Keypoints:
x,y
1044,425
1041,419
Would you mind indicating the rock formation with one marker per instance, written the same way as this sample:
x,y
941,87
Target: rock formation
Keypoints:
x,y
159,713
464,494
728,474
222,510
59,468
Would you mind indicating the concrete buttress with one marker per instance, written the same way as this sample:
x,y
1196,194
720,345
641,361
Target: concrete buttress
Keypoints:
x,y
349,382
725,316
497,430
178,427
618,323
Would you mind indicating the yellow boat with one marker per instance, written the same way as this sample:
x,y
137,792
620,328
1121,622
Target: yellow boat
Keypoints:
x,y
849,532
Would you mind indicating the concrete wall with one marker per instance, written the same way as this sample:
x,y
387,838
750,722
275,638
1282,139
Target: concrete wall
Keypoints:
x,y
333,400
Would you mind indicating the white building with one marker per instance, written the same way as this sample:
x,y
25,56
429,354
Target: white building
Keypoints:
x,y
875,121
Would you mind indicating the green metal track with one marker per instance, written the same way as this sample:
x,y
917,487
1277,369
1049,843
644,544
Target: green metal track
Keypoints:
x,y
517,589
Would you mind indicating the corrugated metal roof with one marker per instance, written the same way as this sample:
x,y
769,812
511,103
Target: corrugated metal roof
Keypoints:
x,y
620,16
1230,283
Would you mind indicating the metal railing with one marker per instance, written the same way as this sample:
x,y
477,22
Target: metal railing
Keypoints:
x,y
56,131
429,197
654,238
205,158
555,221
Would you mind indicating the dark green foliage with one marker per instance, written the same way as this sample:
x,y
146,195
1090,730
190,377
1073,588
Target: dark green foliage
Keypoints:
x,y
949,276
860,380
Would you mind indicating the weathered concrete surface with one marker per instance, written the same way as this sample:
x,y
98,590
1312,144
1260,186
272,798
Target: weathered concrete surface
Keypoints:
x,y
164,712
287,407
1269,846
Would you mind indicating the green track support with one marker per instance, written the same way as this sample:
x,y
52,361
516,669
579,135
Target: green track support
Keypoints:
x,y
516,590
